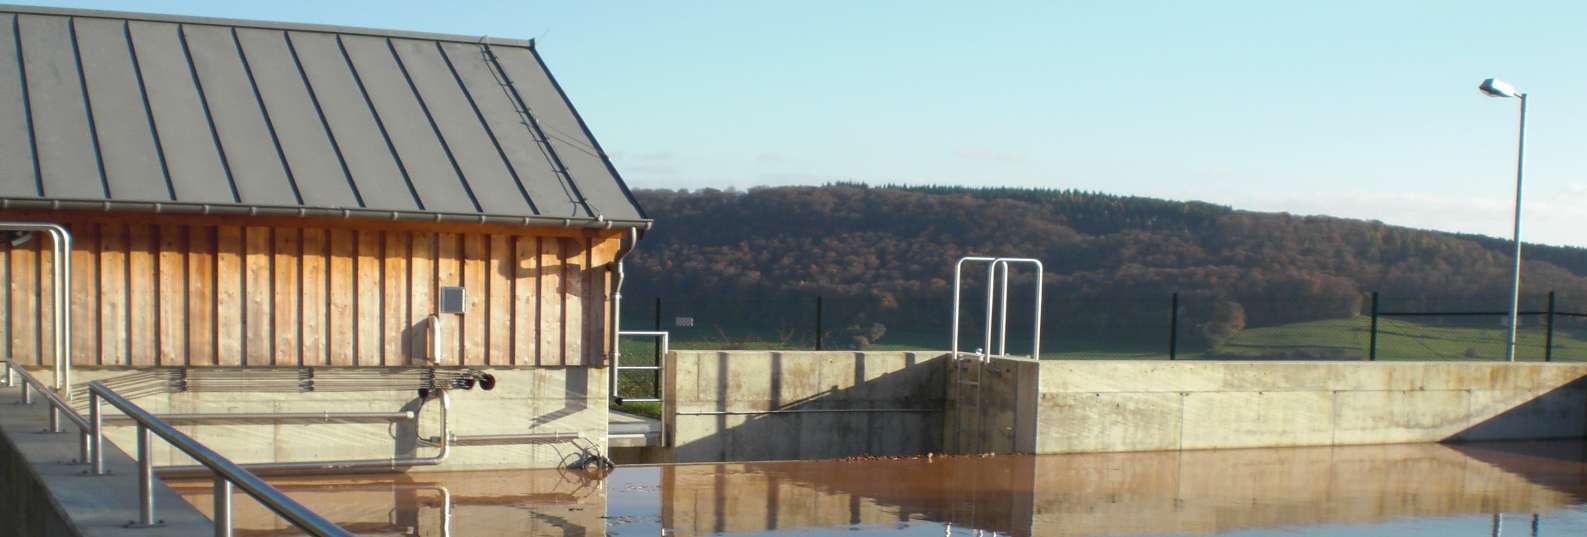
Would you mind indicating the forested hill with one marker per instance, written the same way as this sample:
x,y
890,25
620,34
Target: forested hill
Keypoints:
x,y
882,246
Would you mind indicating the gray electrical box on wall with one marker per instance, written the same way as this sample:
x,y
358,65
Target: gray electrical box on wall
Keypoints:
x,y
453,300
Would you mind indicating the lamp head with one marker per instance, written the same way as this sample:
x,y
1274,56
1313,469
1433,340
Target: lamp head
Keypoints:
x,y
1494,87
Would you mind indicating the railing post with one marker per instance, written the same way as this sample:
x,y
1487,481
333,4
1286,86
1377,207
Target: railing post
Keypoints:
x,y
97,440
27,392
1173,327
1548,340
1372,345
55,416
222,516
818,321
145,479
655,380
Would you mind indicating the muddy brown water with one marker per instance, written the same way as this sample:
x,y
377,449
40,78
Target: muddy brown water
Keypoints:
x,y
1521,488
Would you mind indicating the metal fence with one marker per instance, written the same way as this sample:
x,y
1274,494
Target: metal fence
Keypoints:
x,y
1162,325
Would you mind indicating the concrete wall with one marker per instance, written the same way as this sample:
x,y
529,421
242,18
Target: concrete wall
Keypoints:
x,y
541,399
1108,406
775,405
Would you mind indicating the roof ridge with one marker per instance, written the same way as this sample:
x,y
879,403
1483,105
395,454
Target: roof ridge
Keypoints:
x,y
263,25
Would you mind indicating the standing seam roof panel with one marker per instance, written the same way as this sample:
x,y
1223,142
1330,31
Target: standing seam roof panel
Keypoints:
x,y
315,167
212,114
16,146
434,178
67,155
487,175
239,121
191,151
578,153
374,169
126,139
549,193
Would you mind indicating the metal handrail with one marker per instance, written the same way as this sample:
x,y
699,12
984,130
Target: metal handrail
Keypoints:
x,y
227,474
997,266
58,406
62,269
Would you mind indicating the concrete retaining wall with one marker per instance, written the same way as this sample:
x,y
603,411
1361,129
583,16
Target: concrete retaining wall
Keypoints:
x,y
774,405
1111,406
525,400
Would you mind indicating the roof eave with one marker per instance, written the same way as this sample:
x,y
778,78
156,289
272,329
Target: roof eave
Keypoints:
x,y
159,207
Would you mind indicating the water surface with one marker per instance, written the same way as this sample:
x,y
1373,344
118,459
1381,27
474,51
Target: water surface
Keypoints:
x,y
1366,491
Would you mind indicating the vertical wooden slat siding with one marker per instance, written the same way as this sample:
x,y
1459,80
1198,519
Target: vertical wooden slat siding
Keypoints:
x,y
45,319
370,345
142,309
551,302
394,262
285,306
228,295
343,328
258,345
161,290
421,279
447,267
172,294
573,293
313,299
525,294
498,277
200,295
475,313
112,294
85,295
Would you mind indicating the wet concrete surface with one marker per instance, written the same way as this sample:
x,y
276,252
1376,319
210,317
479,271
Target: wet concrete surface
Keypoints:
x,y
1421,489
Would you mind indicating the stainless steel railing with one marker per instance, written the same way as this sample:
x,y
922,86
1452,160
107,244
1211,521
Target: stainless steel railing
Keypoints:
x,y
58,406
228,475
61,322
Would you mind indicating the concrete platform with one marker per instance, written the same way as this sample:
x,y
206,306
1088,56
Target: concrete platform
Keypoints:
x,y
624,430
47,492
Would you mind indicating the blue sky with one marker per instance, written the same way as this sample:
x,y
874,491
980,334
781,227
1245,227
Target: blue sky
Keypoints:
x,y
1356,109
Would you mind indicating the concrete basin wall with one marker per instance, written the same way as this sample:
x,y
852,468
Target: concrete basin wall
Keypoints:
x,y
1116,406
781,405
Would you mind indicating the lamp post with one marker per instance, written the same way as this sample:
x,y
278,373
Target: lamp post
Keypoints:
x,y
1494,87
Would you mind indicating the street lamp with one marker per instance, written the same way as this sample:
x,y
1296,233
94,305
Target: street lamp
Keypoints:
x,y
1494,87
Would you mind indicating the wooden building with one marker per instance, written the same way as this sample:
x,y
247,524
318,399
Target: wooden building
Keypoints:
x,y
276,195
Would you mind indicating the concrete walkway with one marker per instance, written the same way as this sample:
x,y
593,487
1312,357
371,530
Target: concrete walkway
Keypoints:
x,y
632,430
44,490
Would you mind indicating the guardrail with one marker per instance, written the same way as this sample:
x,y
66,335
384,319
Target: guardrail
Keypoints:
x,y
58,407
227,474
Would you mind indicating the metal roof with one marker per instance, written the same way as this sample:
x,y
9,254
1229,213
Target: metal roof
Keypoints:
x,y
182,114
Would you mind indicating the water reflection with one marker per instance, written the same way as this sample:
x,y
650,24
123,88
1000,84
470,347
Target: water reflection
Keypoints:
x,y
1368,490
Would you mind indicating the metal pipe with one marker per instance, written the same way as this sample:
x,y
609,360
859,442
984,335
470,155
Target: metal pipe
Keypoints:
x,y
804,411
222,518
437,331
27,393
145,478
227,417
991,276
272,498
55,419
61,330
515,438
1002,312
394,464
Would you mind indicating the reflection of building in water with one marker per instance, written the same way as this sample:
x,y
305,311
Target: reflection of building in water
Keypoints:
x,y
1124,494
1191,492
540,503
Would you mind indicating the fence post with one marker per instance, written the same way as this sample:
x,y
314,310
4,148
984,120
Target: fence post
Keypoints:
x,y
1372,345
1548,340
1173,327
655,381
818,322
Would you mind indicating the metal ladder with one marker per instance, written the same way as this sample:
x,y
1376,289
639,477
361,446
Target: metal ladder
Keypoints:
x,y
979,361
